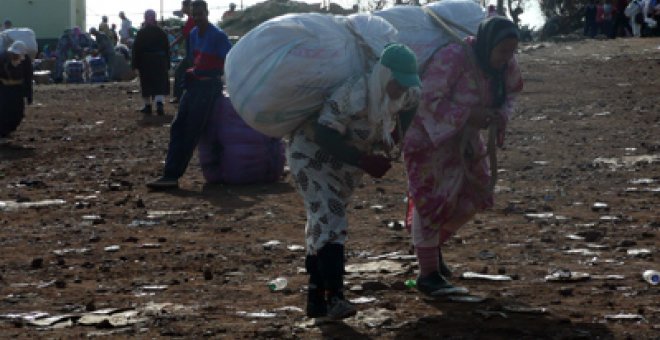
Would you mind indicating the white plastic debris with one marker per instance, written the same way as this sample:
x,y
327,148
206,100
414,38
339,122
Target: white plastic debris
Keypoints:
x,y
257,315
363,300
567,276
11,205
295,248
112,248
639,252
477,276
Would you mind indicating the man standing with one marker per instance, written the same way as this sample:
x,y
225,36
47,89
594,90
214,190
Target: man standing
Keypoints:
x,y
208,48
125,30
105,47
104,27
184,64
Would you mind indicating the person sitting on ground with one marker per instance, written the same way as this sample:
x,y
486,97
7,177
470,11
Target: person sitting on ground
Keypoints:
x,y
465,88
15,87
208,48
151,58
329,156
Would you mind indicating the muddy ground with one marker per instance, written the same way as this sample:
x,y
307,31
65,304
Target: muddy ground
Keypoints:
x,y
192,263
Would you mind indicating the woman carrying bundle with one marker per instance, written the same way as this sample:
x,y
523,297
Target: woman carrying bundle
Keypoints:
x,y
465,88
329,155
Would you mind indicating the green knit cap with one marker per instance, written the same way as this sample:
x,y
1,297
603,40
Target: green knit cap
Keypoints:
x,y
402,62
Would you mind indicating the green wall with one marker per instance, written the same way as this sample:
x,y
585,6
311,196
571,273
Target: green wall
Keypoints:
x,y
48,18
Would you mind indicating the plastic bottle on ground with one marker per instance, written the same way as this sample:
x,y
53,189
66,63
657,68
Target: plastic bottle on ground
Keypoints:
x,y
277,284
651,276
411,283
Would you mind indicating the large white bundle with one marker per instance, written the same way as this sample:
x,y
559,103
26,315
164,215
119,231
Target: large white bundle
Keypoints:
x,y
419,31
26,35
281,72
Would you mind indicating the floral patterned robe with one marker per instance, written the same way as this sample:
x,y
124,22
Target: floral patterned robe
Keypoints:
x,y
452,86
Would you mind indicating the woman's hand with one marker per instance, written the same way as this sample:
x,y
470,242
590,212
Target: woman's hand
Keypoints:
x,y
481,117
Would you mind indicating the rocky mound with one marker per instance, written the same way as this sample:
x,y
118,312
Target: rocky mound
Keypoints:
x,y
252,16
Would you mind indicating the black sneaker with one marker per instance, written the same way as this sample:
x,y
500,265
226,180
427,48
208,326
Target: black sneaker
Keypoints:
x,y
160,110
435,284
146,109
163,184
339,308
316,304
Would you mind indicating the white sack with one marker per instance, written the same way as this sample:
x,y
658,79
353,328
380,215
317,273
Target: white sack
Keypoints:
x,y
422,34
280,73
26,35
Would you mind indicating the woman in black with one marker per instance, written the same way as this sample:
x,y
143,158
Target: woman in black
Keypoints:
x,y
151,58
15,87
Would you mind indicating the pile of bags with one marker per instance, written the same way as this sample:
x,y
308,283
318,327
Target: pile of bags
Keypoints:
x,y
233,153
26,35
279,74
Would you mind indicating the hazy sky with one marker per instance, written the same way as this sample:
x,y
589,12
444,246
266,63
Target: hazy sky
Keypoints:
x,y
134,9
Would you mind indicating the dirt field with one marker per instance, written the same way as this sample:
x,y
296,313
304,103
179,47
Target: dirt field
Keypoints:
x,y
192,263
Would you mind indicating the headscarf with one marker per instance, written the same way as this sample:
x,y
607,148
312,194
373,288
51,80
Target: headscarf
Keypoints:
x,y
491,32
381,108
150,18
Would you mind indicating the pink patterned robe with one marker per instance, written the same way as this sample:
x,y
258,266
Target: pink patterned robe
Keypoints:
x,y
437,182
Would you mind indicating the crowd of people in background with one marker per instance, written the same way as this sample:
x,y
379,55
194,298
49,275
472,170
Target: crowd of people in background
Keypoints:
x,y
621,18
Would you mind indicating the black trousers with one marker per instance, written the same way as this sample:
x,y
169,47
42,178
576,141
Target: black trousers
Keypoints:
x,y
12,108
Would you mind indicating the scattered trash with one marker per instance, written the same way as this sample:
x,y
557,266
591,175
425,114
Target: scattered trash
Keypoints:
x,y
12,205
477,276
277,284
394,256
62,252
150,245
112,249
624,317
486,255
611,219
374,318
396,225
642,181
525,309
600,206
539,216
565,275
639,252
295,248
257,315
466,298
651,276
608,277
410,283
575,237
142,223
363,300
154,214
288,309
272,244
581,251
382,266
154,288
450,291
